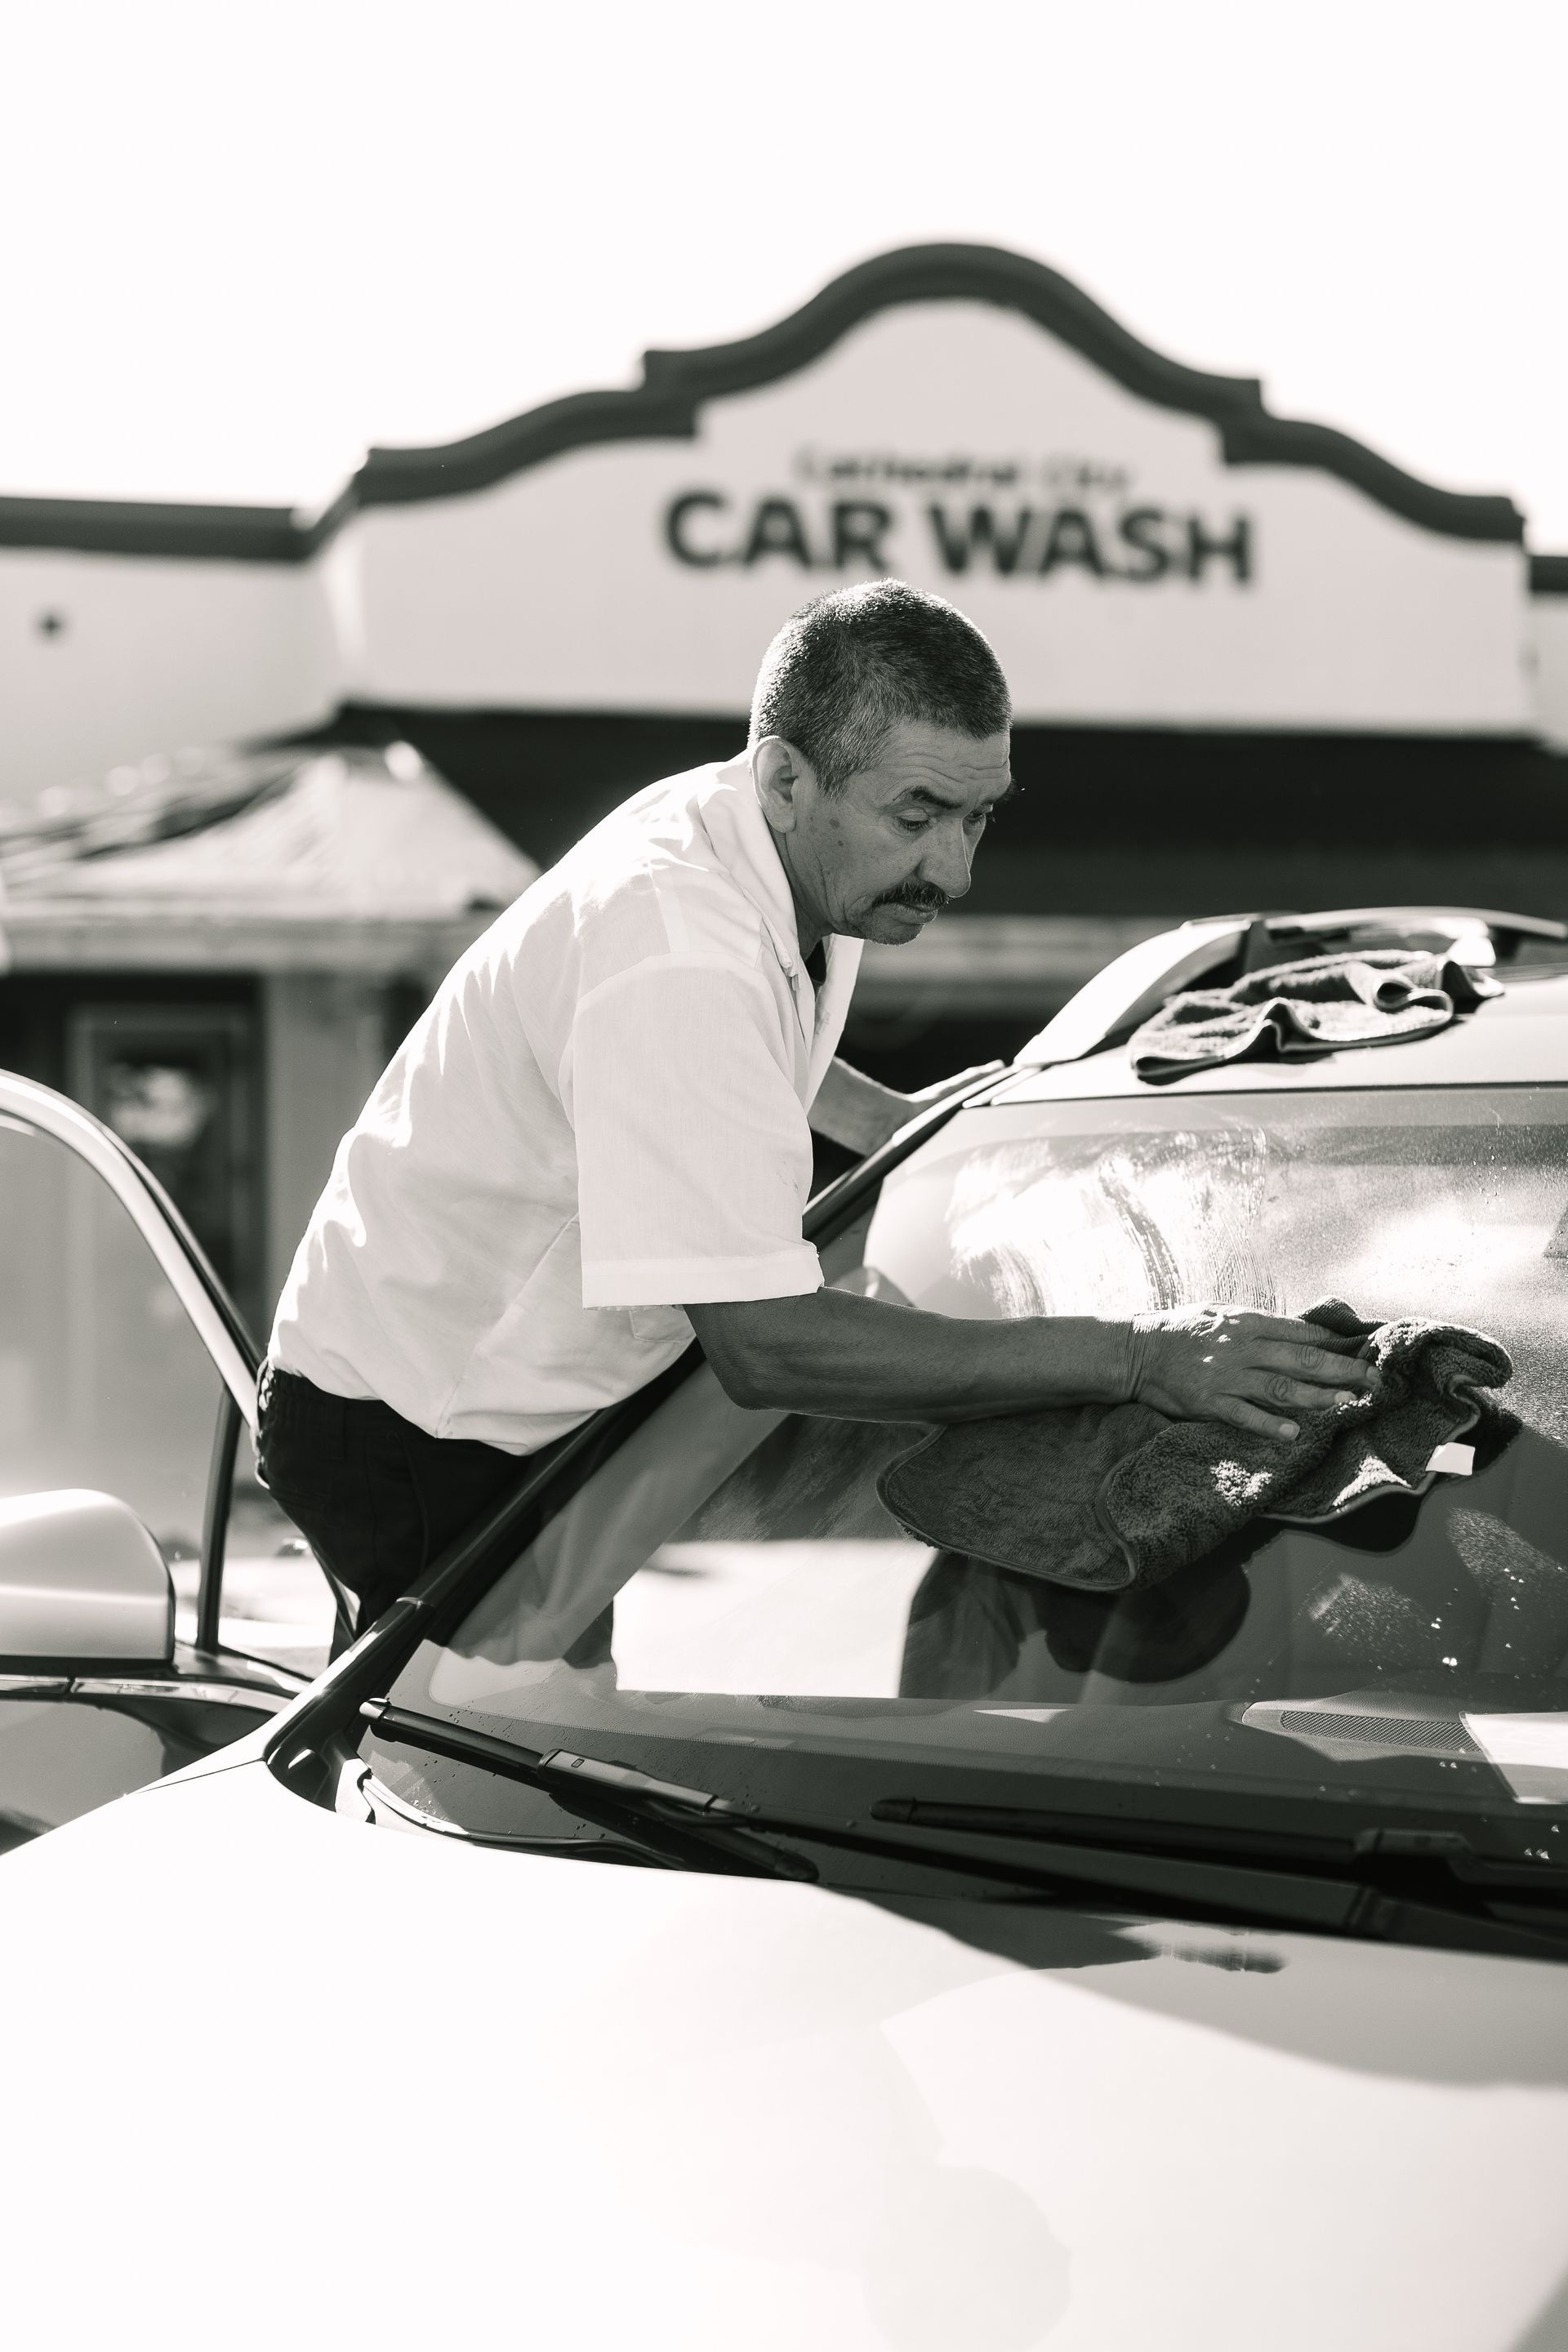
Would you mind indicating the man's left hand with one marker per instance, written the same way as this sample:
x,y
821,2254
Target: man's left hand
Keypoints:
x,y
861,1115
923,1096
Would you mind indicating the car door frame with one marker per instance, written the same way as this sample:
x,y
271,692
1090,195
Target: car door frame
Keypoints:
x,y
216,1321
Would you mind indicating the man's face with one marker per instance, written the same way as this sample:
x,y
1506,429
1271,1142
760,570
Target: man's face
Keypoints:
x,y
880,860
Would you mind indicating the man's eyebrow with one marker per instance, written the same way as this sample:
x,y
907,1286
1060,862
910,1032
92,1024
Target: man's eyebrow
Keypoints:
x,y
934,799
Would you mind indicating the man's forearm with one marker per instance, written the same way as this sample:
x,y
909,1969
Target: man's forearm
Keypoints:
x,y
856,1111
859,1359
856,1359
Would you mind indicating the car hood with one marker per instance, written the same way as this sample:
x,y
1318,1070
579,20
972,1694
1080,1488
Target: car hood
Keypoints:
x,y
275,2076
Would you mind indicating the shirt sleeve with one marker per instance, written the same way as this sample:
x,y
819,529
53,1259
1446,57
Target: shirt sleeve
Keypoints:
x,y
693,1149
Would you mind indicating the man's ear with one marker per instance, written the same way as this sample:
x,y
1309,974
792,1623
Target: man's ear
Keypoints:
x,y
779,771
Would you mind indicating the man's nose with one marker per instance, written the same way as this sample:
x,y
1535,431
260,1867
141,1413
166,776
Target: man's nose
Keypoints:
x,y
946,863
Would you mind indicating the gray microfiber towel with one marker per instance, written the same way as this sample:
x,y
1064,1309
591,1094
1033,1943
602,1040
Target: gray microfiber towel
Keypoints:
x,y
1316,1006
1110,1498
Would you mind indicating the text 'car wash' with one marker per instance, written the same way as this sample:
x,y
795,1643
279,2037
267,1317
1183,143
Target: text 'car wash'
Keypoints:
x,y
1004,515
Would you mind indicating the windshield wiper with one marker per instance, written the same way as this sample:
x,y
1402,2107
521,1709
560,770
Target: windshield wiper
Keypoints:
x,y
688,1829
379,1799
1392,1899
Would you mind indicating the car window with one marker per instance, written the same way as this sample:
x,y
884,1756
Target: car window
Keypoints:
x,y
105,1383
732,1580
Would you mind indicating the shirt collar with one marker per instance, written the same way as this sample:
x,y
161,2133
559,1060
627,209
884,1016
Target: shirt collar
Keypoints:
x,y
743,842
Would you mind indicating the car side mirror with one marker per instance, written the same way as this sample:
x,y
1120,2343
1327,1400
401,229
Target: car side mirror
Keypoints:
x,y
80,1579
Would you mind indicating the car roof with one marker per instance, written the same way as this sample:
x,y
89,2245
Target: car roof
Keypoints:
x,y
1518,1038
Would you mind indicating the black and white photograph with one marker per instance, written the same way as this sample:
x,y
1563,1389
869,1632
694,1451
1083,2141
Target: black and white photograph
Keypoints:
x,y
784,1176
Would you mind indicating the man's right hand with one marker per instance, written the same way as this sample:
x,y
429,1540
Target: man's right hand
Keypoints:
x,y
832,1353
1207,1364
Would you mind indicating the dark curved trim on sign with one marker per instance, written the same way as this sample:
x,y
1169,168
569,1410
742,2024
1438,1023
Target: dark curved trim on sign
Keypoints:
x,y
666,405
1549,575
134,527
675,383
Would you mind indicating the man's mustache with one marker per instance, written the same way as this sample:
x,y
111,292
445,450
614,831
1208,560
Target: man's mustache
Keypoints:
x,y
925,896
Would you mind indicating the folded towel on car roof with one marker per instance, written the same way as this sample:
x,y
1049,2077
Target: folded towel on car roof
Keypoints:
x,y
1107,1497
1318,1005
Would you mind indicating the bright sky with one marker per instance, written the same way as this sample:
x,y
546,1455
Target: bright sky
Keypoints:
x,y
244,241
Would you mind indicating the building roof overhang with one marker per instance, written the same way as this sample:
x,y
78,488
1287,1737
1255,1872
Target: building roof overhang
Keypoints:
x,y
284,860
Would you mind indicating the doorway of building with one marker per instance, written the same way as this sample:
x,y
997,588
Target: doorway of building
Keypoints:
x,y
179,1083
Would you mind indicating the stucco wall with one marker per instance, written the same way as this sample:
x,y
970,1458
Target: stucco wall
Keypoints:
x,y
104,658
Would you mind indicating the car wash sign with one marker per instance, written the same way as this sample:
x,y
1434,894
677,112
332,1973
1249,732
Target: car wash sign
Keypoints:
x,y
1003,515
1143,545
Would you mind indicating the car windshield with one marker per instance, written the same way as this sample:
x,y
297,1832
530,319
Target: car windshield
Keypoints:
x,y
726,1600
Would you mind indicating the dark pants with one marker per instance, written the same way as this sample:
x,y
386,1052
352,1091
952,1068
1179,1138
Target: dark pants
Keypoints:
x,y
377,1497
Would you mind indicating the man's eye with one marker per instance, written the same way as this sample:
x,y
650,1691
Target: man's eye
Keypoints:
x,y
914,824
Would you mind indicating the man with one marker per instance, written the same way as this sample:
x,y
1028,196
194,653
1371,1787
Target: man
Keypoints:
x,y
598,1140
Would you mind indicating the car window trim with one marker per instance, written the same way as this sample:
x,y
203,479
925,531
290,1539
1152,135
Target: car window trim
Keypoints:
x,y
217,1322
215,1523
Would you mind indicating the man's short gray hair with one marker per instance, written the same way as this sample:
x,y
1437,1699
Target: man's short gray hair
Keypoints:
x,y
851,665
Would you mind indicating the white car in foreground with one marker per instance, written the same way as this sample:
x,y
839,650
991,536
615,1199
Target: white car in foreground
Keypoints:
x,y
702,1918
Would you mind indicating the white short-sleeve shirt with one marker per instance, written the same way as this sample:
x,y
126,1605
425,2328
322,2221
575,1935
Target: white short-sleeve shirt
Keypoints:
x,y
601,1118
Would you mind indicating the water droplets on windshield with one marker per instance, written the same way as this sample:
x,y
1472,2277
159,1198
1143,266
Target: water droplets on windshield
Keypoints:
x,y
1076,1224
1406,1203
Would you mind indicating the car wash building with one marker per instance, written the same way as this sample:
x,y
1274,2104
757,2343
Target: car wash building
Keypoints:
x,y
1254,663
